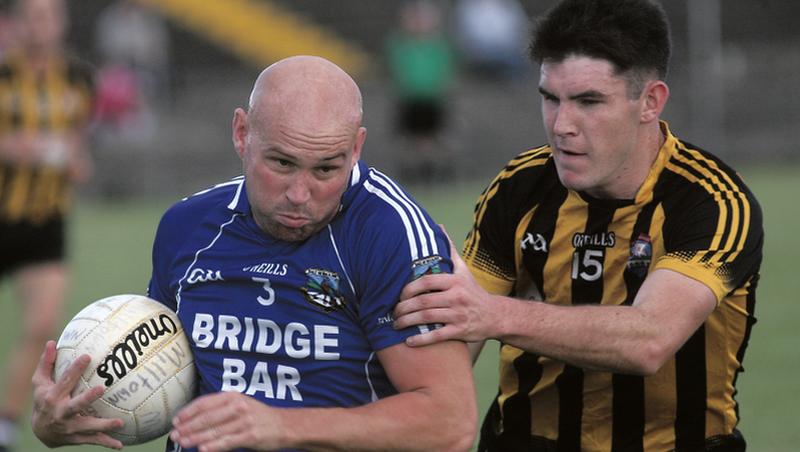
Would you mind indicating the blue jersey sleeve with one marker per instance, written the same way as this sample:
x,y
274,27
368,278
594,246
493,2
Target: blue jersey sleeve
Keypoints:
x,y
174,229
164,246
394,250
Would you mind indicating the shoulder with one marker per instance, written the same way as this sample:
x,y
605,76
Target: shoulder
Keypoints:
x,y
380,202
696,176
526,172
382,215
707,205
219,200
524,182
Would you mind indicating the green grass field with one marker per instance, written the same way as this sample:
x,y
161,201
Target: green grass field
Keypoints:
x,y
111,255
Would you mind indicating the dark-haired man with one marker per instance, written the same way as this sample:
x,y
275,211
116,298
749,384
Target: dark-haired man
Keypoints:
x,y
617,265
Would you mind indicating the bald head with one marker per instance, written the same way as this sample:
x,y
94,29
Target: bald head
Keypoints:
x,y
308,89
298,143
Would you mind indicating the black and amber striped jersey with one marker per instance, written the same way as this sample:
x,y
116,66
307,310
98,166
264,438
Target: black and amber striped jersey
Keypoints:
x,y
535,239
47,106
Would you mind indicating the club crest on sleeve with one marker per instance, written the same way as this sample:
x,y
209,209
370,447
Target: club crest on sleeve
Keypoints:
x,y
641,254
322,289
426,266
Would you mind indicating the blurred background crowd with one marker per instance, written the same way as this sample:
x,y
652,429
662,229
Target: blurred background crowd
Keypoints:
x,y
449,91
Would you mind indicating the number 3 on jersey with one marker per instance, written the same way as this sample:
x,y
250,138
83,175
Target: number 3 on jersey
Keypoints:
x,y
589,267
270,298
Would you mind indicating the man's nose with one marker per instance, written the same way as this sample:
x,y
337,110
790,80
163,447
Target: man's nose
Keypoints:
x,y
299,191
563,122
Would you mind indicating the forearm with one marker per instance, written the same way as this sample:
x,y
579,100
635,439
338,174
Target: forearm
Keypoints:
x,y
434,409
612,338
636,339
408,421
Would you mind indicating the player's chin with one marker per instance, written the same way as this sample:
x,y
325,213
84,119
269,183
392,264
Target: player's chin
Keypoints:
x,y
290,234
573,180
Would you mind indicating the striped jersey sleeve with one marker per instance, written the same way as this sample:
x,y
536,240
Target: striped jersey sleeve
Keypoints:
x,y
490,246
713,233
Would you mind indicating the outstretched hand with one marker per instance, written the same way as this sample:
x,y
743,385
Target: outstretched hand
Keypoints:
x,y
455,300
57,418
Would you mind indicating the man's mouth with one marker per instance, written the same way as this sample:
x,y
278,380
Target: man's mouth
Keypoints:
x,y
292,221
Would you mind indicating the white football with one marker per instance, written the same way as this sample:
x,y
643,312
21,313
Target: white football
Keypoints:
x,y
140,354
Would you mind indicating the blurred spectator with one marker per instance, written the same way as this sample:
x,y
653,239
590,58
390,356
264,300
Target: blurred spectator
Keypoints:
x,y
421,67
47,98
6,27
133,44
132,35
491,35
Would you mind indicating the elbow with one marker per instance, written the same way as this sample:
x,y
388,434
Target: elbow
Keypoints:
x,y
458,433
461,437
466,438
649,358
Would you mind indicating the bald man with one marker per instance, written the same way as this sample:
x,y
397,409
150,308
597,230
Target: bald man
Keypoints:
x,y
285,279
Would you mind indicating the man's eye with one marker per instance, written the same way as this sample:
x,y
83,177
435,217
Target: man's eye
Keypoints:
x,y
589,101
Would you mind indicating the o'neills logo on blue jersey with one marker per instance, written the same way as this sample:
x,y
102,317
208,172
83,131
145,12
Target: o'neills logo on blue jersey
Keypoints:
x,y
322,289
426,266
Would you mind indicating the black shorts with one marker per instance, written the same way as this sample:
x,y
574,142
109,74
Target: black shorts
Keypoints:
x,y
23,243
420,116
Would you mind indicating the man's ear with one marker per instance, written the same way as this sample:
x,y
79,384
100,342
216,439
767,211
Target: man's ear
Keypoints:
x,y
655,95
239,130
361,137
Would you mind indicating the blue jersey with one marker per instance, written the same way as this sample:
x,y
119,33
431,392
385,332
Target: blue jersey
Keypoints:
x,y
294,324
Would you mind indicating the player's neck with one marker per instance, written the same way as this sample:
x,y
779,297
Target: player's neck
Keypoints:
x,y
653,139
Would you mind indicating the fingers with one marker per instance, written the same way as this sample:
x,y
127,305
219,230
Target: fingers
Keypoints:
x,y
459,266
213,423
193,435
202,414
442,334
72,375
44,369
91,426
458,263
199,406
428,300
424,317
101,439
82,401
428,283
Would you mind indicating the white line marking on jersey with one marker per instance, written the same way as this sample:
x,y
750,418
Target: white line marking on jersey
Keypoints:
x,y
412,242
341,264
197,255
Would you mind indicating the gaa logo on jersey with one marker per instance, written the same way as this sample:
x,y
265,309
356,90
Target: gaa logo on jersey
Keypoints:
x,y
641,254
322,289
426,266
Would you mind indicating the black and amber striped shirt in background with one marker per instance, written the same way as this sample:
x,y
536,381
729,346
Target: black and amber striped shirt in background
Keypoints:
x,y
52,103
535,239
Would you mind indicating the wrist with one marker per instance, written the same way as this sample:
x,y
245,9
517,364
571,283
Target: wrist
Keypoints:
x,y
290,430
498,326
509,313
